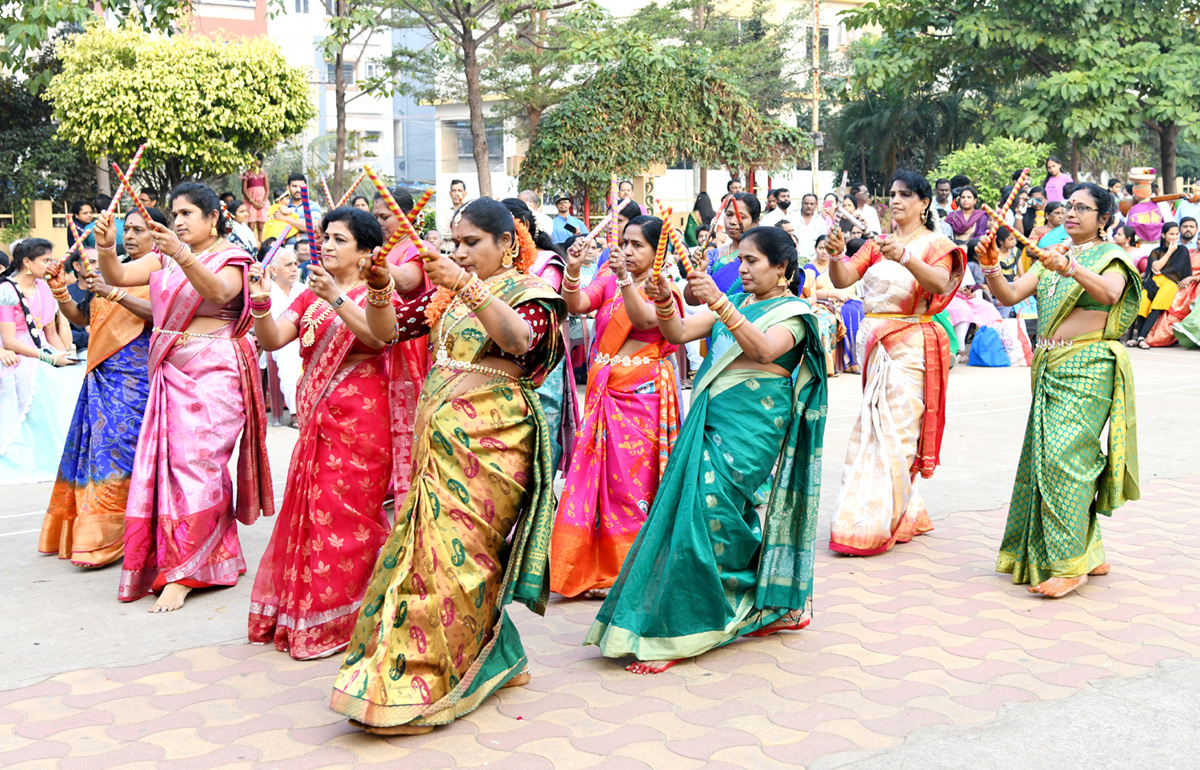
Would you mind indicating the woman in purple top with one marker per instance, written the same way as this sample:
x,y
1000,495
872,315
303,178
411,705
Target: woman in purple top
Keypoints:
x,y
1056,179
967,221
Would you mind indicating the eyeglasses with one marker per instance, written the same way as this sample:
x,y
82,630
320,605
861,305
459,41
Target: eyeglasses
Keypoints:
x,y
1078,208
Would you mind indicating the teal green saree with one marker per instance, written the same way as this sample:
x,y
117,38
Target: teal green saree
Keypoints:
x,y
703,570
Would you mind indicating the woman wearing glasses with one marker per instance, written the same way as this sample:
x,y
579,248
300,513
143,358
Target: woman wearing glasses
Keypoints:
x,y
1087,294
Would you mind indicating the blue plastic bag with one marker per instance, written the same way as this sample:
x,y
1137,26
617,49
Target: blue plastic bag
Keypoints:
x,y
987,349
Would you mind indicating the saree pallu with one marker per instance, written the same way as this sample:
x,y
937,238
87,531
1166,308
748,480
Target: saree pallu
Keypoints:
x,y
311,580
557,393
703,571
204,391
408,366
1064,478
433,638
85,521
631,418
899,429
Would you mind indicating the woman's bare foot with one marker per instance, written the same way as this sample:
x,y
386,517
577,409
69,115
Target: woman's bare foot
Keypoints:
x,y
1102,569
783,624
596,593
651,666
520,680
1056,587
171,598
393,730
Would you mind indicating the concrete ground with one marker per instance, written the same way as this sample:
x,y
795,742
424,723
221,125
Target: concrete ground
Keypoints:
x,y
921,657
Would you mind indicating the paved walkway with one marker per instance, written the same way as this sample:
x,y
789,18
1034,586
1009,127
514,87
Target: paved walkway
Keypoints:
x,y
903,647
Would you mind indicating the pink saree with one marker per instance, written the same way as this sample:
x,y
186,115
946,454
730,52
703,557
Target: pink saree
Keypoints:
x,y
311,581
631,417
204,391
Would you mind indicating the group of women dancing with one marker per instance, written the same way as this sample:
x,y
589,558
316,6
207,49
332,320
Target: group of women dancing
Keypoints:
x,y
694,530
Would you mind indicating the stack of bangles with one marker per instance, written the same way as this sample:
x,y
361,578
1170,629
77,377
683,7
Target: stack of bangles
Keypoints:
x,y
260,304
116,295
571,283
665,308
381,297
61,294
106,251
475,295
725,310
1071,268
989,270
45,356
184,257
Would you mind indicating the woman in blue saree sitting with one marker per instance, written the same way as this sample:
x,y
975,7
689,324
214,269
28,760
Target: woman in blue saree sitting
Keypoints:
x,y
703,571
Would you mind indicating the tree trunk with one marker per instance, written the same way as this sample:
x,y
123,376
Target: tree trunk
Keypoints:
x,y
479,147
1075,160
103,186
339,101
1167,136
862,164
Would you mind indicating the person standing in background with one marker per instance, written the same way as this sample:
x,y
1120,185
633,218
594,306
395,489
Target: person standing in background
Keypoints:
x,y
1056,179
254,192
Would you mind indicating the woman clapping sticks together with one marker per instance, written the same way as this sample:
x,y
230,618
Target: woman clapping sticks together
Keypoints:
x,y
703,571
1087,295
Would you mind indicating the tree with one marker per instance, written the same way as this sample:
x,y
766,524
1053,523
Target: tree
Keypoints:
x,y
655,105
1068,71
460,31
34,165
202,106
27,29
991,165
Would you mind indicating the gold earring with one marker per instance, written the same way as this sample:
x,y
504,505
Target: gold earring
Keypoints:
x,y
783,281
214,230
510,254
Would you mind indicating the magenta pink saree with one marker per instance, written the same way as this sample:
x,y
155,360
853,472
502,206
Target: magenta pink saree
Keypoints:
x,y
204,391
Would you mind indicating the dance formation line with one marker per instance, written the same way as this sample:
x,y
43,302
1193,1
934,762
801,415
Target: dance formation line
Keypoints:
x,y
445,382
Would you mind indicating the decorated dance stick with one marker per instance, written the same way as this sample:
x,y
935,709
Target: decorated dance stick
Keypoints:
x,y
112,206
407,229
75,234
141,207
350,190
613,191
660,254
278,244
676,240
328,197
1012,196
420,206
1029,245
384,192
309,230
598,228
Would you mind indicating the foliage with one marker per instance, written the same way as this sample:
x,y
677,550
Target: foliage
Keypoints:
x,y
34,165
202,106
990,166
654,105
1067,70
27,29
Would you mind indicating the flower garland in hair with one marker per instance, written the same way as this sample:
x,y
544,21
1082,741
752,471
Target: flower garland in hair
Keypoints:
x,y
442,298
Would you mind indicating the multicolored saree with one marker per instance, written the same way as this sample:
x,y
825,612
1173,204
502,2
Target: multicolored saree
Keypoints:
x,y
898,434
311,580
86,518
433,638
1065,478
630,421
204,391
703,571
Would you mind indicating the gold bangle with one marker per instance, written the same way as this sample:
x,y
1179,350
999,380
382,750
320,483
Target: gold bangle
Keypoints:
x,y
259,294
461,274
741,320
263,315
106,251
121,294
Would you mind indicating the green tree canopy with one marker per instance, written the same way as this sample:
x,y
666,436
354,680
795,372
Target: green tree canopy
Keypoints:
x,y
1064,70
991,165
202,106
656,104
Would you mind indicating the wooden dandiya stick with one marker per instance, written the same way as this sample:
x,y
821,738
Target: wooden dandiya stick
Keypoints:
x,y
75,234
129,188
1012,196
112,207
676,240
407,228
309,230
613,191
660,255
420,205
328,196
1029,245
277,245
598,228
350,190
399,234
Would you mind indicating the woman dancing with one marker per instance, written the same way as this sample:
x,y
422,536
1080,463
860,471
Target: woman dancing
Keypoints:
x,y
311,580
1087,296
703,571
86,518
433,638
630,420
181,520
906,278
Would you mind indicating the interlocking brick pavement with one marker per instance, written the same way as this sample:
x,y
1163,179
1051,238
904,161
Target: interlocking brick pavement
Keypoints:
x,y
924,636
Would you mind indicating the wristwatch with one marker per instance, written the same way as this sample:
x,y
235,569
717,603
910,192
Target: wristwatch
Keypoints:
x,y
338,302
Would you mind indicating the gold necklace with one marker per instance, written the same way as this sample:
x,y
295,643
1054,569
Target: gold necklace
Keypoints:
x,y
443,349
313,317
1075,251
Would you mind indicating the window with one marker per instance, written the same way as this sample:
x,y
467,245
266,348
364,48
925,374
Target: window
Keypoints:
x,y
347,73
373,136
301,6
372,70
808,43
495,140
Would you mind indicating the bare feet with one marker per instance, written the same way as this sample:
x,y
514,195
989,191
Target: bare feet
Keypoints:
x,y
596,593
520,680
1102,569
171,598
393,730
1056,587
783,624
651,666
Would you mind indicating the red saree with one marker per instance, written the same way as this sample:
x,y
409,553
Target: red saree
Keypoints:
x,y
311,580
